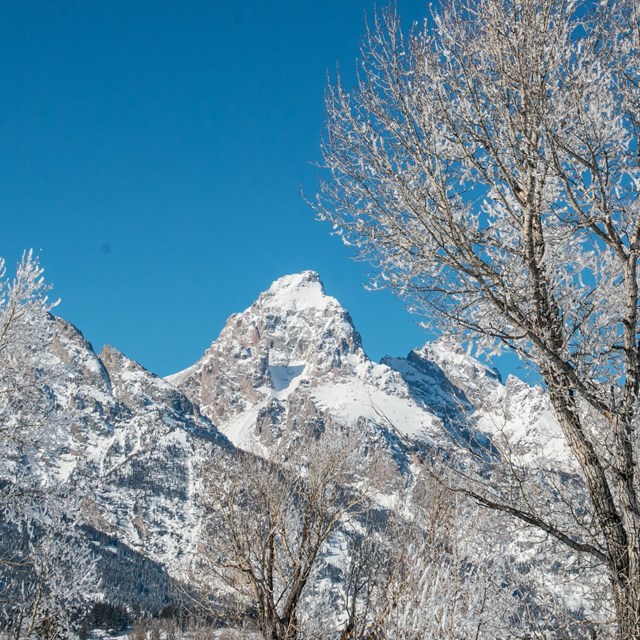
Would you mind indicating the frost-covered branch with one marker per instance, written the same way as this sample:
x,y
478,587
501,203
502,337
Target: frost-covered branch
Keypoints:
x,y
486,163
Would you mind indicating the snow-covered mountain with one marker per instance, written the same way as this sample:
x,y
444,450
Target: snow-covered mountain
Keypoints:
x,y
293,360
129,444
124,444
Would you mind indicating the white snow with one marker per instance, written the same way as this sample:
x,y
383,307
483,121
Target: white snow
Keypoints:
x,y
282,377
176,378
240,430
353,400
298,292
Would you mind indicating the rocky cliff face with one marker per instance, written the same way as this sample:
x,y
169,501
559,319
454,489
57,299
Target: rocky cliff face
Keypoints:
x,y
293,333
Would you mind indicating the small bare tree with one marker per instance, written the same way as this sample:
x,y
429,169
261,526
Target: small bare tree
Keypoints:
x,y
487,164
266,523
405,575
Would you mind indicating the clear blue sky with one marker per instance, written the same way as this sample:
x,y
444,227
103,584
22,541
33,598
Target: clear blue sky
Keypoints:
x,y
152,153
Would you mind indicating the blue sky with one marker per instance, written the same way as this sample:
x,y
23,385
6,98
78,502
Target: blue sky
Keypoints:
x,y
152,153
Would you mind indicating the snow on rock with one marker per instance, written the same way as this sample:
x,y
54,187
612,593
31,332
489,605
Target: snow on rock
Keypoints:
x,y
349,403
298,292
291,336
126,444
293,362
466,394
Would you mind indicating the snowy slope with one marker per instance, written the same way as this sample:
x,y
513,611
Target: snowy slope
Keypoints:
x,y
293,362
466,394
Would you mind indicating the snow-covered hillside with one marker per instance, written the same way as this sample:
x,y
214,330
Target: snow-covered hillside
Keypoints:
x,y
124,444
129,445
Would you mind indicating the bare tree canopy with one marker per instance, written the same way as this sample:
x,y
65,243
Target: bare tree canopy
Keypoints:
x,y
266,523
487,164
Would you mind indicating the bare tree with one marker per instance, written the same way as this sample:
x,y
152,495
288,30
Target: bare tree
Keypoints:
x,y
487,164
427,575
25,375
47,573
405,575
266,523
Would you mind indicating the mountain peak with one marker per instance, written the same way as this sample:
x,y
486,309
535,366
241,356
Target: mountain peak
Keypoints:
x,y
298,279
292,332
297,292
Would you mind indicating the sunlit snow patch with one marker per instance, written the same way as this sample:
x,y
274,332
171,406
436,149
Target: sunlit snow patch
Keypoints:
x,y
282,377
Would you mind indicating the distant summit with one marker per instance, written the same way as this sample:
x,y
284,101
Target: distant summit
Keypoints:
x,y
297,292
294,359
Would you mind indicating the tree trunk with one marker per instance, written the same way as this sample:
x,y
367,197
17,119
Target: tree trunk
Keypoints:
x,y
270,630
276,628
626,592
